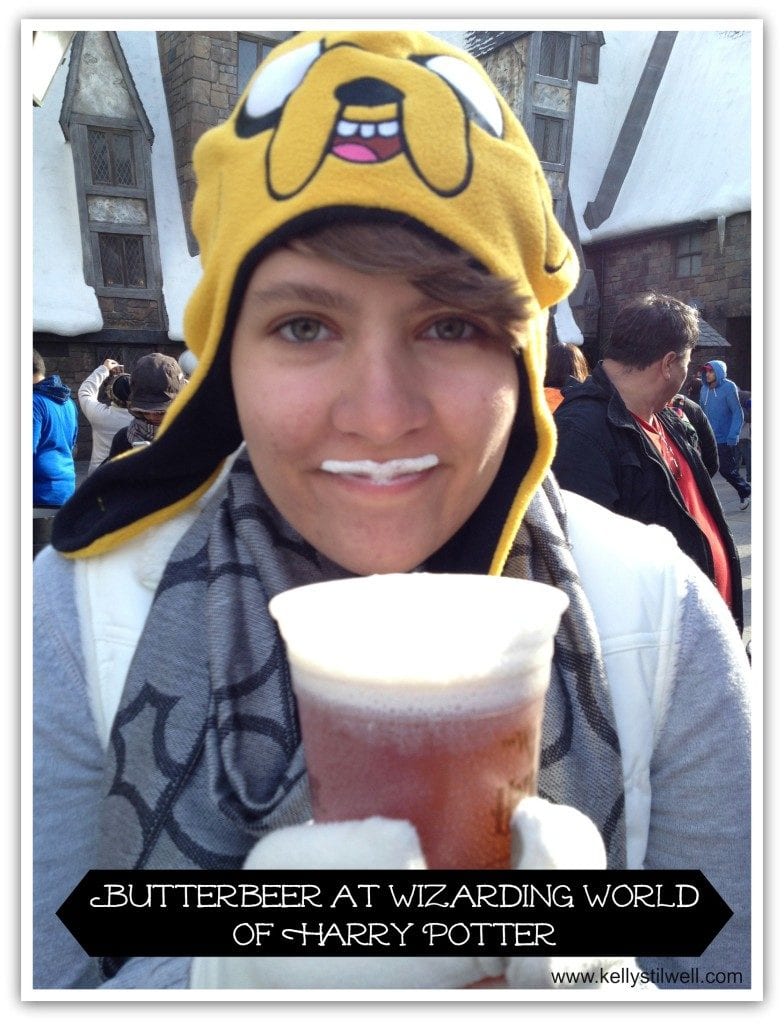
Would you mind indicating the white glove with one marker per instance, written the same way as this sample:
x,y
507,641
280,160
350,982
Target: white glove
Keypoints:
x,y
544,836
555,837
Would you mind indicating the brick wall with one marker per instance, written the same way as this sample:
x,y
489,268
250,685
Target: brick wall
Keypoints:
x,y
200,80
721,290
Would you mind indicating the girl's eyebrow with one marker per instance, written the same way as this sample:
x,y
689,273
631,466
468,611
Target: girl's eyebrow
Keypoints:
x,y
316,295
297,291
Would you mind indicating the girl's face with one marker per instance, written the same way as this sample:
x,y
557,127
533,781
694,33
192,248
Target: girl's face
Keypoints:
x,y
375,418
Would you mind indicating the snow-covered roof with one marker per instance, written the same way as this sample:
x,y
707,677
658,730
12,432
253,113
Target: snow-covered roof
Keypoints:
x,y
693,161
62,302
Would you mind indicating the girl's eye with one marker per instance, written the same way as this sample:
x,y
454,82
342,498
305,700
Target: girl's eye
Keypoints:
x,y
452,328
303,328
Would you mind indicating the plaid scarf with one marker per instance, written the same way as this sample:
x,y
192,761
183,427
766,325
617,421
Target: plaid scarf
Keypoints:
x,y
141,430
205,754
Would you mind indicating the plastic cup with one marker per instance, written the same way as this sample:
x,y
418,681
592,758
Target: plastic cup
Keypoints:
x,y
420,698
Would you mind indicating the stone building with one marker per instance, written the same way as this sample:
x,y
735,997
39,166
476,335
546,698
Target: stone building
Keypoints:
x,y
645,138
661,183
114,259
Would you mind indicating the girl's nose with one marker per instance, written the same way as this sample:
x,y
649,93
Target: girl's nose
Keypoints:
x,y
384,395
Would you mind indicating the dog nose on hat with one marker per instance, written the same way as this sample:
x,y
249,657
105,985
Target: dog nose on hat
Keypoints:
x,y
367,92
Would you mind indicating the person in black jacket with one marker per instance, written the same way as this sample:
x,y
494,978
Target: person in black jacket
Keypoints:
x,y
155,382
698,430
620,444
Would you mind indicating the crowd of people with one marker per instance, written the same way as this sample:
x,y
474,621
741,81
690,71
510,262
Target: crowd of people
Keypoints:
x,y
123,410
372,350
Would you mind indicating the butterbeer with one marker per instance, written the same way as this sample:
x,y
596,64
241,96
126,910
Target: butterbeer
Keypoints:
x,y
420,698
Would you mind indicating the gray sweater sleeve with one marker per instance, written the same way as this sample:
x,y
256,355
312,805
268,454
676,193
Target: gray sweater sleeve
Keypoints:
x,y
701,788
68,782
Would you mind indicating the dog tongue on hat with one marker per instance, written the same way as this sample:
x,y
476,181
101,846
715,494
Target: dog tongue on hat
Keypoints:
x,y
355,152
368,151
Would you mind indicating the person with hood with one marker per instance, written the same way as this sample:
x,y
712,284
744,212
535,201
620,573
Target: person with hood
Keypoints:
x,y
55,429
155,381
105,417
379,258
721,404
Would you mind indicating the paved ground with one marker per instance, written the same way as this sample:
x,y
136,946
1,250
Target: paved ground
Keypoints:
x,y
739,524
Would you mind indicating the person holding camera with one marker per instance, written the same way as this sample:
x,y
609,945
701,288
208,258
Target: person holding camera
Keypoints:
x,y
103,398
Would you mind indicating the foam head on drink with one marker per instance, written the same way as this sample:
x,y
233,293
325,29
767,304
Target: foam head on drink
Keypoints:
x,y
420,697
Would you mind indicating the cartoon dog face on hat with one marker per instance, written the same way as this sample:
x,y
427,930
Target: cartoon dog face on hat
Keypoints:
x,y
336,125
372,114
390,122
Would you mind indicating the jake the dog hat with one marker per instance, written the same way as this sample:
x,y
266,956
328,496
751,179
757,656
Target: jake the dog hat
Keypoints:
x,y
386,125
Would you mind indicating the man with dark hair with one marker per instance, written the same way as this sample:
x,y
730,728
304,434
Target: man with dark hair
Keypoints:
x,y
620,445
55,426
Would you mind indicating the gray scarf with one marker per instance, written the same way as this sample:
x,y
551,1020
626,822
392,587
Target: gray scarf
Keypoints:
x,y
140,430
205,753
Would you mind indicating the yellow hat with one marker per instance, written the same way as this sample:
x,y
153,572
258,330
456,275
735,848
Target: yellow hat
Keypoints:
x,y
337,124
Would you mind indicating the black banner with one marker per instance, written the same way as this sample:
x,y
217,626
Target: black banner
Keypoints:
x,y
394,913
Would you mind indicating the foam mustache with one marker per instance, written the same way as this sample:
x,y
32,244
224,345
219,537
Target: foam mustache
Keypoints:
x,y
380,472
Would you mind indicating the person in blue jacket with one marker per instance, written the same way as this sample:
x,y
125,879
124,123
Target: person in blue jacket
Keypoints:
x,y
55,426
721,404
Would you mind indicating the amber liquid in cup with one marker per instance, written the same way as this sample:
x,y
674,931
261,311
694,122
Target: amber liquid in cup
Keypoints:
x,y
420,698
456,778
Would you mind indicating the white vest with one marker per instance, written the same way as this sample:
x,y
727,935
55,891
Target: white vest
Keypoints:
x,y
630,574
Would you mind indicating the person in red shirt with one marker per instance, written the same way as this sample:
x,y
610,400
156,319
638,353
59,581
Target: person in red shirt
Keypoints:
x,y
620,445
